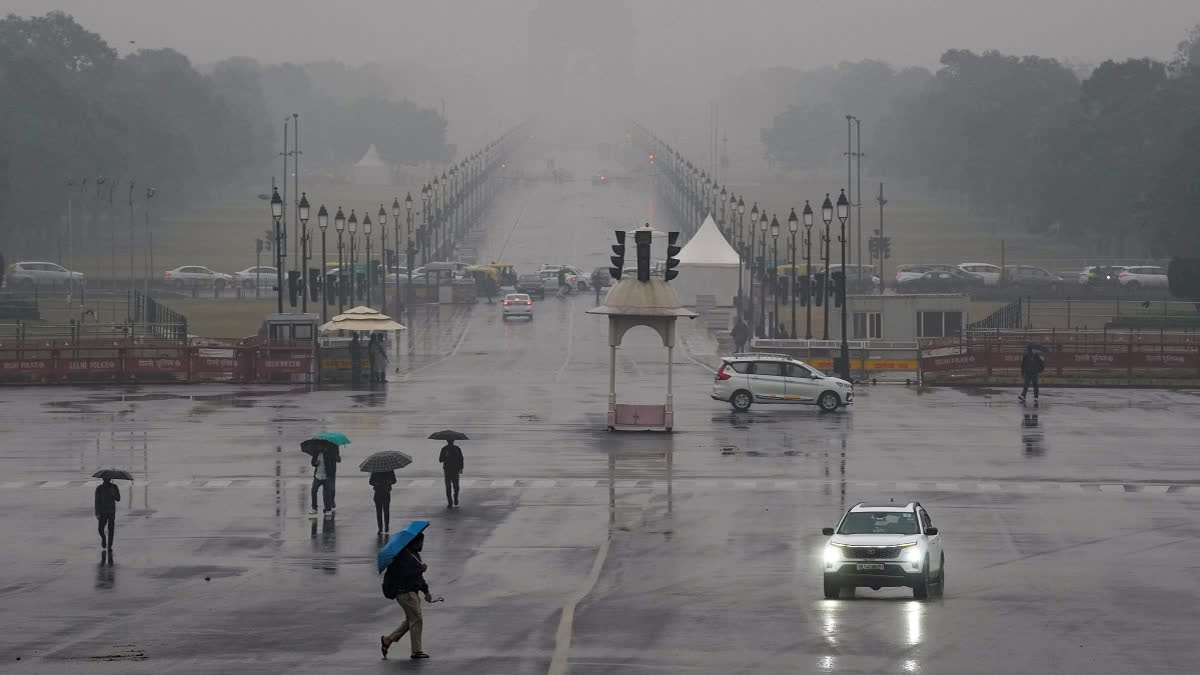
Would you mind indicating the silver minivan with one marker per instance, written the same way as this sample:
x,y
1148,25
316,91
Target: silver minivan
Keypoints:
x,y
746,379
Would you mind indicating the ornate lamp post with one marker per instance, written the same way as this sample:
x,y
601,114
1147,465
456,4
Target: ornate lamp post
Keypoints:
x,y
751,266
409,249
352,226
793,227
808,223
339,224
381,220
276,214
775,275
397,241
323,223
367,235
302,212
843,212
827,217
762,275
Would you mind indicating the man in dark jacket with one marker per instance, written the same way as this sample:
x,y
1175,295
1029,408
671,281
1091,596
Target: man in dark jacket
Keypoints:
x,y
107,496
383,481
325,478
451,458
740,333
405,574
1031,366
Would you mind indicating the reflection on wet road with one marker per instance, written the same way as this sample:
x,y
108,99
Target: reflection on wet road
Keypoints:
x,y
1069,528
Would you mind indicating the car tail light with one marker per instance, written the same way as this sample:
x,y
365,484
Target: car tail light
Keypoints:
x,y
529,302
505,302
166,275
1121,275
721,374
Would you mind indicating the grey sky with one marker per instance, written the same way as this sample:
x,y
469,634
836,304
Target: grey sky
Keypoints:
x,y
486,36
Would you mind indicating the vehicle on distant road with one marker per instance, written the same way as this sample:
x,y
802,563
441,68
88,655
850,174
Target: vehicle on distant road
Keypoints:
x,y
1143,276
252,276
909,272
746,379
1099,275
1031,275
951,280
574,276
531,284
31,275
196,275
988,272
516,304
884,545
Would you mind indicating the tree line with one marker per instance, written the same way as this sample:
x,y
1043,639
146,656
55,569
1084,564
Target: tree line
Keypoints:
x,y
79,123
1109,157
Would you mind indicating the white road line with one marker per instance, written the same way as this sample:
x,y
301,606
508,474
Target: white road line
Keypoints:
x,y
423,482
218,483
566,622
504,483
13,484
453,352
946,487
543,483
1109,487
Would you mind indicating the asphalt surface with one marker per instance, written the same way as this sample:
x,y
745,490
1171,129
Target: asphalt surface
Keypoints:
x,y
1071,539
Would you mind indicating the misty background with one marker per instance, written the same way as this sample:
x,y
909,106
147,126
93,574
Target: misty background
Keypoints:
x,y
1078,118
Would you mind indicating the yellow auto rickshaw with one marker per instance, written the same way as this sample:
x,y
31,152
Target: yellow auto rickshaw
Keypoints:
x,y
508,274
487,280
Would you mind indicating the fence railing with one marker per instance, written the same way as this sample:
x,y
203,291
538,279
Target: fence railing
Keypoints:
x,y
1008,316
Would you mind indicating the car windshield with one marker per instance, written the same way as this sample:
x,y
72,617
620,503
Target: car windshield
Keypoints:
x,y
800,368
880,522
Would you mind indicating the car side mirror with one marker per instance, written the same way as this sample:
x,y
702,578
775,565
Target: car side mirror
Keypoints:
x,y
827,531
931,531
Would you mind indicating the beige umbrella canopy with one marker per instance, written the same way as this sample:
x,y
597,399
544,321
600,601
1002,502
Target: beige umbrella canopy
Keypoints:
x,y
362,320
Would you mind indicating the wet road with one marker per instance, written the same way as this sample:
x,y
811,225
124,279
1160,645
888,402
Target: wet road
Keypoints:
x,y
1071,539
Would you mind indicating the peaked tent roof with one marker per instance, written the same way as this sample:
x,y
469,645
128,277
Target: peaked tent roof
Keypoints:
x,y
708,247
371,158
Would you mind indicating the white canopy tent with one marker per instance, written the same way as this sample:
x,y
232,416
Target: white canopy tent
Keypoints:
x,y
708,265
372,170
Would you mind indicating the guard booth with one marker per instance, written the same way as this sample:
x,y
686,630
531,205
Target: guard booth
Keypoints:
x,y
286,348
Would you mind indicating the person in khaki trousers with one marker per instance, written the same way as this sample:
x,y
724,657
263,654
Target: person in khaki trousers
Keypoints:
x,y
406,574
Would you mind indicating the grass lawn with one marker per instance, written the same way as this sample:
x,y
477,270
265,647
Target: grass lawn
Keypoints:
x,y
224,318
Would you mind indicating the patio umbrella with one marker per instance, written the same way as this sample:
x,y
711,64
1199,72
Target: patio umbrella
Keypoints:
x,y
398,542
388,460
361,320
448,435
113,474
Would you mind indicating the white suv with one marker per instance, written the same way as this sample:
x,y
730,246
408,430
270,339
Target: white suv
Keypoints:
x,y
42,275
574,276
884,545
745,379
1143,276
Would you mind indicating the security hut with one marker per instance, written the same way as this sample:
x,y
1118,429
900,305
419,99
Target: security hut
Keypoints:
x,y
641,300
709,266
372,170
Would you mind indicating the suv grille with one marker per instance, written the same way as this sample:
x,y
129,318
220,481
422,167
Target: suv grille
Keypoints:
x,y
871,552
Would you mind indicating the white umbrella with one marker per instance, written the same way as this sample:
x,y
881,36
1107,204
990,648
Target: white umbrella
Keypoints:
x,y
362,320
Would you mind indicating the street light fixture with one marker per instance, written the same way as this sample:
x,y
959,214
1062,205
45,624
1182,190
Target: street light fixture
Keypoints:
x,y
762,275
808,224
352,227
775,275
323,223
827,218
339,224
751,265
843,210
793,227
302,212
370,267
395,253
276,215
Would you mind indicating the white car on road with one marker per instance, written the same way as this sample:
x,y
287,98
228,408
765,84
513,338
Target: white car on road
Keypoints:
x,y
988,272
574,276
517,304
195,275
1144,276
251,276
30,275
746,379
884,545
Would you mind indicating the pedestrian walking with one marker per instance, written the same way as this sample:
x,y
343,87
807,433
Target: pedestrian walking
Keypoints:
x,y
378,358
107,496
405,581
489,285
324,479
355,359
451,458
740,333
1032,366
383,481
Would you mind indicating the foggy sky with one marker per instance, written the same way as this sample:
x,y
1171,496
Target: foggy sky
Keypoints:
x,y
485,37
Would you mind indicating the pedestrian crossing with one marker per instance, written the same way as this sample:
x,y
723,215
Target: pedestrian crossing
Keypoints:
x,y
682,485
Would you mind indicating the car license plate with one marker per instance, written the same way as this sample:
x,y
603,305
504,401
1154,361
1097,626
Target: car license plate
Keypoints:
x,y
869,566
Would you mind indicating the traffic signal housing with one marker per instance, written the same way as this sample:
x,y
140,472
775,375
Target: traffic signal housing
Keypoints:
x,y
670,272
618,260
641,239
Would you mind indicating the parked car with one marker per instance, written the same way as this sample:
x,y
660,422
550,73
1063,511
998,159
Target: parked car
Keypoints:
x,y
251,276
745,379
1099,275
516,304
951,280
30,275
988,272
869,283
884,545
909,272
1143,276
575,276
531,284
602,277
196,275
1031,275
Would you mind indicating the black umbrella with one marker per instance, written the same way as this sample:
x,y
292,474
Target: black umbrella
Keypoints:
x,y
315,446
388,460
448,435
113,474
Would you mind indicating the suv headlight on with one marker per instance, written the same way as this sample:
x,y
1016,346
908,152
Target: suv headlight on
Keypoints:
x,y
913,554
832,554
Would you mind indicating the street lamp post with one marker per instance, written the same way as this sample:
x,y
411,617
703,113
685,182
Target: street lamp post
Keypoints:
x,y
827,217
808,224
740,244
383,254
762,275
843,212
323,223
752,265
367,235
302,213
793,227
276,214
775,275
352,227
339,224
410,259
395,254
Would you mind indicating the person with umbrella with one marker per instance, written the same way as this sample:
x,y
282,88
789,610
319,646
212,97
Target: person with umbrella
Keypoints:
x,y
404,580
107,496
382,467
326,454
1032,366
451,458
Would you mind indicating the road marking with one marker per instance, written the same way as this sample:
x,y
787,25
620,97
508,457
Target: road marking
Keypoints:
x,y
453,352
424,482
55,483
543,483
1109,487
504,483
566,622
12,484
946,487
218,483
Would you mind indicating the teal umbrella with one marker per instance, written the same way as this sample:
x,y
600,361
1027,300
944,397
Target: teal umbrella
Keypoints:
x,y
322,442
334,437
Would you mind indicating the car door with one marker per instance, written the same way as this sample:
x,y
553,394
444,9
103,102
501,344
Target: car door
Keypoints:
x,y
768,381
800,386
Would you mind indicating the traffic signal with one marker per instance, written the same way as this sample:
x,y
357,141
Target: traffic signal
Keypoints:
x,y
642,239
618,260
651,158
670,272
293,286
314,283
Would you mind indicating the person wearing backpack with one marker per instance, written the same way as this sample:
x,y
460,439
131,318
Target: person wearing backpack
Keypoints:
x,y
404,581
383,481
1032,366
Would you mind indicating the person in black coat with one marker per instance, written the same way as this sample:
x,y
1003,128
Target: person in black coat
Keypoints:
x,y
383,481
405,576
107,496
1031,367
325,478
451,458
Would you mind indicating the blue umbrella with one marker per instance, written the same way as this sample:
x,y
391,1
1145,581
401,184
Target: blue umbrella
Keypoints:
x,y
333,437
398,542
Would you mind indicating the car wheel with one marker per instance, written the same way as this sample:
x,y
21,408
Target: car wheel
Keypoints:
x,y
833,590
828,401
741,400
583,286
921,586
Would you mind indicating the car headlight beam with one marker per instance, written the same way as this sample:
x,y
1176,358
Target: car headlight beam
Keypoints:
x,y
913,554
832,554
